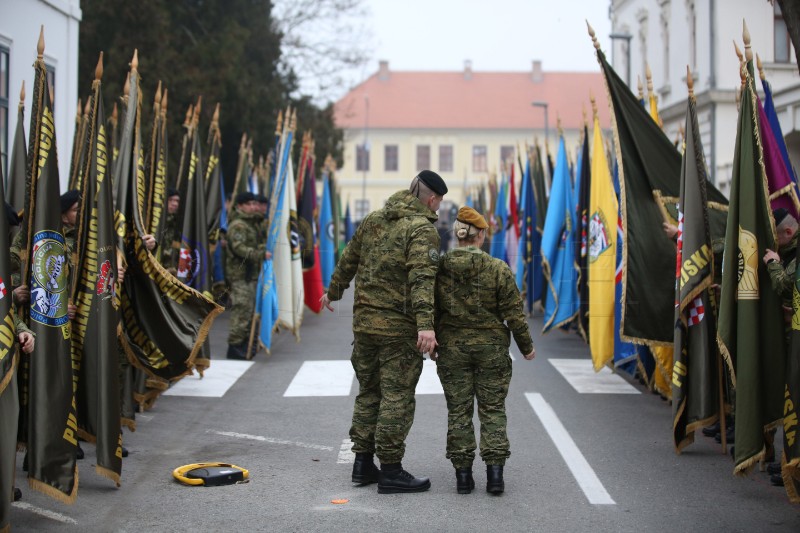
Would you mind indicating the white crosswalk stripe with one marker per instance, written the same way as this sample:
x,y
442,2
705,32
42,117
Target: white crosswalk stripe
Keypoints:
x,y
216,381
581,375
322,378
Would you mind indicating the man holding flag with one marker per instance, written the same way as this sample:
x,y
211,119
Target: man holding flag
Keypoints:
x,y
243,263
395,254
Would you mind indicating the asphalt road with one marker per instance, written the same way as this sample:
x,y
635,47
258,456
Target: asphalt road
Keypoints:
x,y
599,461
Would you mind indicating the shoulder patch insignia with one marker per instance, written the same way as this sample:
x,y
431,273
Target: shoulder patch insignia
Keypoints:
x,y
433,253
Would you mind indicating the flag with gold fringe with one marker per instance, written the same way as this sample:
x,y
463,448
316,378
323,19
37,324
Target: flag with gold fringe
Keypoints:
x,y
751,325
164,322
94,292
52,423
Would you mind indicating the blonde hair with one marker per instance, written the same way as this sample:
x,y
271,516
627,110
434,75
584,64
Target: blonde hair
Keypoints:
x,y
465,231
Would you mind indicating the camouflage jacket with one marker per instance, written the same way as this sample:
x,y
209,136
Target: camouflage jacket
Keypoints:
x,y
395,254
782,273
245,249
169,234
476,296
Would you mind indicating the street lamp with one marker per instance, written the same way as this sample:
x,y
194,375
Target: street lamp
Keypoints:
x,y
627,38
546,122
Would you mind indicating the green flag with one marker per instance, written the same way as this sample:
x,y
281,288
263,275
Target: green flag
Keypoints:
x,y
696,369
649,175
751,332
9,402
16,176
52,422
164,321
791,402
94,329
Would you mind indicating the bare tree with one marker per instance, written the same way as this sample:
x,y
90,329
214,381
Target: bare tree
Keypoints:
x,y
323,41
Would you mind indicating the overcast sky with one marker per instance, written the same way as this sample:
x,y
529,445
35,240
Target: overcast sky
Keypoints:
x,y
504,35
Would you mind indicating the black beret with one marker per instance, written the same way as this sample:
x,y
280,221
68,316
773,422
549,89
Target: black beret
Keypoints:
x,y
260,198
779,214
69,198
172,192
434,181
244,197
11,213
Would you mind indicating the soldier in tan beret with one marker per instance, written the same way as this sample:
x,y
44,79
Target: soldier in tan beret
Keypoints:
x,y
478,307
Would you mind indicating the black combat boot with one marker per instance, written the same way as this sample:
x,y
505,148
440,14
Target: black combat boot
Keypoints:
x,y
464,481
364,469
394,479
237,351
494,479
17,494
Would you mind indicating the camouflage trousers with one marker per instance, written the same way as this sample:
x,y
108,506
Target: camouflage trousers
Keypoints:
x,y
469,372
387,369
243,296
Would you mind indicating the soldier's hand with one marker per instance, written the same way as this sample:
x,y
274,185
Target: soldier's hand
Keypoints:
x,y
71,311
22,294
531,355
326,302
149,241
26,341
426,341
770,255
267,255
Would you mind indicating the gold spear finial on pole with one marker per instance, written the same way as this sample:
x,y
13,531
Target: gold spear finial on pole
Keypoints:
x,y
40,44
188,118
215,116
22,96
593,36
98,70
279,122
640,87
648,74
293,123
594,105
738,51
197,109
164,100
690,82
748,52
559,129
79,111
126,89
135,60
86,108
760,68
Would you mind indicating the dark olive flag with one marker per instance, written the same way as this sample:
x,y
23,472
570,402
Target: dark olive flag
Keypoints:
x,y
791,402
696,369
751,325
650,170
164,322
16,177
155,189
9,401
52,422
582,236
94,329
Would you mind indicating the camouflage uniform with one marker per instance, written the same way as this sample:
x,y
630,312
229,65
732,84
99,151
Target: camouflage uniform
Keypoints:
x,y
169,235
395,253
244,255
476,296
782,272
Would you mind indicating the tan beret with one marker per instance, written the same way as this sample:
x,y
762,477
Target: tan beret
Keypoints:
x,y
470,216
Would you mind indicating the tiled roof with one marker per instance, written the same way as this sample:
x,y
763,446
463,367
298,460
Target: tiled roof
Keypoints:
x,y
473,100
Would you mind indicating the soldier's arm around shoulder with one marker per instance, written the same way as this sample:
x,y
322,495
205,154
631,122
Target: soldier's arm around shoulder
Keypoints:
x,y
509,302
347,266
422,264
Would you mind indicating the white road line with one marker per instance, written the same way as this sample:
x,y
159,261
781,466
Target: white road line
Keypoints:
x,y
429,380
576,462
52,515
322,378
272,440
346,455
581,375
219,377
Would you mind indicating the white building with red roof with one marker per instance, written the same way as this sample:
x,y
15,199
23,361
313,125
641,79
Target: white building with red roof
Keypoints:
x,y
461,124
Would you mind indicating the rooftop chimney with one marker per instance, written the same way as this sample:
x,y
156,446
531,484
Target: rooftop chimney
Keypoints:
x,y
467,69
536,71
383,70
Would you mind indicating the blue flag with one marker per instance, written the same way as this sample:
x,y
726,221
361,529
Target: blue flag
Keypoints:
x,y
529,278
498,247
327,243
219,270
775,126
558,248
